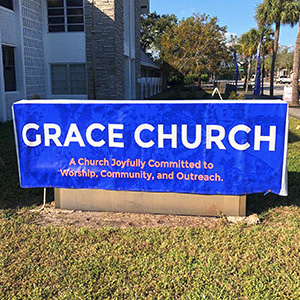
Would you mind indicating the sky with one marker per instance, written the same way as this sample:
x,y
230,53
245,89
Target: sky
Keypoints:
x,y
237,15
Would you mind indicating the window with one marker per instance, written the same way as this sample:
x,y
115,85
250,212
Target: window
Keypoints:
x,y
68,79
7,3
9,68
65,15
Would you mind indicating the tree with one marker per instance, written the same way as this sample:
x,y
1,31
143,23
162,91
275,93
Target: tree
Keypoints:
x,y
296,66
285,58
247,47
277,12
153,26
195,46
267,48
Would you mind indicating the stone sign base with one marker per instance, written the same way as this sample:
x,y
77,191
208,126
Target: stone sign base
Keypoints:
x,y
142,202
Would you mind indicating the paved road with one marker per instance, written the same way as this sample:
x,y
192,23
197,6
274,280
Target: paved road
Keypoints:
x,y
278,90
295,112
278,93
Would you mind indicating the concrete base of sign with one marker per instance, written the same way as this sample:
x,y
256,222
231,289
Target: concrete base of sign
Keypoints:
x,y
142,202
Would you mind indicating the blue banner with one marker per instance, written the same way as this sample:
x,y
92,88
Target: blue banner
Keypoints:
x,y
204,147
258,70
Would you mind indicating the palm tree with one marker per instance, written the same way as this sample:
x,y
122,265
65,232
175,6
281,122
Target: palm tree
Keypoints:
x,y
267,48
296,66
247,47
277,12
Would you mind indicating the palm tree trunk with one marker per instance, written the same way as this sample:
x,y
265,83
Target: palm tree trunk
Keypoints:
x,y
199,81
275,49
248,75
296,65
245,81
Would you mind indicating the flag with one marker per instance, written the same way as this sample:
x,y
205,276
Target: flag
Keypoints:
x,y
236,70
258,72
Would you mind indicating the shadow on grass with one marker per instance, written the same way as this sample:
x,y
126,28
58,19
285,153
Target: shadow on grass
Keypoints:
x,y
181,92
19,197
258,203
293,138
12,195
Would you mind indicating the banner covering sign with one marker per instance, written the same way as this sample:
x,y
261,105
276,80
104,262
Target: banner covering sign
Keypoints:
x,y
203,147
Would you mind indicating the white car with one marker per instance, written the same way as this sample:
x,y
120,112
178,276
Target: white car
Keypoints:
x,y
283,80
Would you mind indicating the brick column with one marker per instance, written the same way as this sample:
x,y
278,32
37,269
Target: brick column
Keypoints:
x,y
107,55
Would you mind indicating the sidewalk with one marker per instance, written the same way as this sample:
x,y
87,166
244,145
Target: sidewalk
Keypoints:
x,y
294,112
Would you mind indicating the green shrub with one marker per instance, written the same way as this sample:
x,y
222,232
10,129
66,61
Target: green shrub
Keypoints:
x,y
204,77
190,79
234,96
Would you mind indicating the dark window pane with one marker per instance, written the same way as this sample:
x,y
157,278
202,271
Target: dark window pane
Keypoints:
x,y
8,56
59,76
55,3
78,83
56,28
75,28
7,3
9,68
59,84
78,69
75,19
78,87
10,79
78,91
60,91
56,12
59,72
74,3
78,79
56,20
75,11
68,79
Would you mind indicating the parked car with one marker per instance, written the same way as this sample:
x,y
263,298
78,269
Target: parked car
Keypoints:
x,y
283,80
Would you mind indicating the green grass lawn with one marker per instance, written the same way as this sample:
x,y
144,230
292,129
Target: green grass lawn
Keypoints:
x,y
224,262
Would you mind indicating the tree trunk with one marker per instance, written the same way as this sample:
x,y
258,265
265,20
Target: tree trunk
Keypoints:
x,y
248,75
245,81
199,81
296,66
275,49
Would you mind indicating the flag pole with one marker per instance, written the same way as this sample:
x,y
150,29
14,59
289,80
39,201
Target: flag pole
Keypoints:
x,y
258,69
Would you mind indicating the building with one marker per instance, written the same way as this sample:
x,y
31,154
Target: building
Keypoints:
x,y
150,81
69,49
